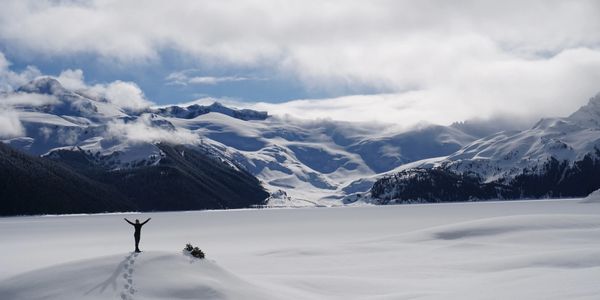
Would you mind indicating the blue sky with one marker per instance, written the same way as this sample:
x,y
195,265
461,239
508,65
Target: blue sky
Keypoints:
x,y
259,84
382,60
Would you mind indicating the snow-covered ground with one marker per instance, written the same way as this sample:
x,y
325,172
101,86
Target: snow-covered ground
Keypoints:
x,y
544,249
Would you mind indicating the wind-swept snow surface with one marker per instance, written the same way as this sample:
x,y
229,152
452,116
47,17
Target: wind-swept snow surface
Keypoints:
x,y
153,275
544,249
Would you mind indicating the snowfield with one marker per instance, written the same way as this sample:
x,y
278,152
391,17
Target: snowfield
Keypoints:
x,y
544,249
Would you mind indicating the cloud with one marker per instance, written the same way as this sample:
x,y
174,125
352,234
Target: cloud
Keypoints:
x,y
124,94
72,79
185,78
524,88
25,99
210,80
10,80
250,31
423,60
142,130
10,125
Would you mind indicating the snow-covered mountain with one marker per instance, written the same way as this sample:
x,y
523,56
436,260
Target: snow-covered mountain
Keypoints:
x,y
556,157
315,161
195,110
318,162
301,162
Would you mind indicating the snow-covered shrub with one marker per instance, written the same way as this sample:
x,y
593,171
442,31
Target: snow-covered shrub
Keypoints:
x,y
194,251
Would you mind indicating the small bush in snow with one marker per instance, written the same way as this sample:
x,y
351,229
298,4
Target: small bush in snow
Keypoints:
x,y
194,251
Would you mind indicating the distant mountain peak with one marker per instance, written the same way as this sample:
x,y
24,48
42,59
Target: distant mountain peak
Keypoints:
x,y
43,85
589,114
195,110
217,104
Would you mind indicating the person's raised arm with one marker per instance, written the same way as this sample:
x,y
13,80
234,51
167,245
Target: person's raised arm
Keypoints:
x,y
146,221
127,221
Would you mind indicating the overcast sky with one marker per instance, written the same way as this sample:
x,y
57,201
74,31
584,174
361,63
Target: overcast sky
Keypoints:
x,y
392,61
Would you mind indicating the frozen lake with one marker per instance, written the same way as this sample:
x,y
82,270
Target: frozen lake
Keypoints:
x,y
543,249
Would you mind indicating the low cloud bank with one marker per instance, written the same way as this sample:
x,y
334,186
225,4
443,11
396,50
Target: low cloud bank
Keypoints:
x,y
25,99
142,130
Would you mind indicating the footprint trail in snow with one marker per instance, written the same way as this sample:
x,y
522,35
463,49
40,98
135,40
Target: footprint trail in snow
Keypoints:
x,y
128,284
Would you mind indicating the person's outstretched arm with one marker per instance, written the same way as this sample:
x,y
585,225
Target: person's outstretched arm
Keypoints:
x,y
127,221
146,221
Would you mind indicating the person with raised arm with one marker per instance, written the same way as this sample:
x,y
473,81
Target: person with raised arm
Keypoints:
x,y
138,231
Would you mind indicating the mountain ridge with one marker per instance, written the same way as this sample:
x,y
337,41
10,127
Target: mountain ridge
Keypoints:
x,y
556,157
310,160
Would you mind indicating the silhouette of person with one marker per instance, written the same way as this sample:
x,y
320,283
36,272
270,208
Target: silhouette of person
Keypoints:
x,y
138,231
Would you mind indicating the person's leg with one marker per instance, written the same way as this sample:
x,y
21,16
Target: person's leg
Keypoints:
x,y
137,243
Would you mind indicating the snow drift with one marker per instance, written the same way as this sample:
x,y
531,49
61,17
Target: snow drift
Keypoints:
x,y
594,197
149,275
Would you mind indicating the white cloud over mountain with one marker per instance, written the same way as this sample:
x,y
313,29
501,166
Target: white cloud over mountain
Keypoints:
x,y
528,89
10,125
10,79
123,94
141,131
425,60
24,99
